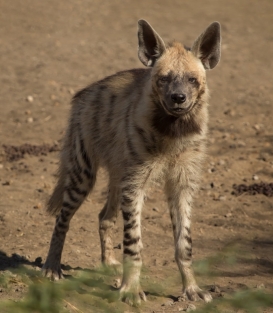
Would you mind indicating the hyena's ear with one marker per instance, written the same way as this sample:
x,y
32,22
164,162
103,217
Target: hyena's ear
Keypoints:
x,y
207,47
150,44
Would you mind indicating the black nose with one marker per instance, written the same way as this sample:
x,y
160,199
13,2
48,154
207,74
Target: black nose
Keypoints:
x,y
178,98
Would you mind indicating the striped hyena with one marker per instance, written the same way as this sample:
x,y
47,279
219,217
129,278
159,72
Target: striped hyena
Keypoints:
x,y
139,124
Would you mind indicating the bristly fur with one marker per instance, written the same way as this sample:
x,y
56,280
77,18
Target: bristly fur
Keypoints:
x,y
138,124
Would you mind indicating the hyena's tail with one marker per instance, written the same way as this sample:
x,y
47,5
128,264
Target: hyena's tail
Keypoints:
x,y
54,204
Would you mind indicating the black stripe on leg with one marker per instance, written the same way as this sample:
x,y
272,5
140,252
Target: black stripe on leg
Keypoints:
x,y
188,238
84,154
77,164
125,200
127,215
130,252
62,225
127,236
129,190
72,180
68,205
188,230
77,176
70,195
130,226
65,214
88,174
79,191
189,251
64,218
131,241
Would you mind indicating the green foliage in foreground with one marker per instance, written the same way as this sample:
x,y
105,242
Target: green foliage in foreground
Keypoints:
x,y
249,301
92,292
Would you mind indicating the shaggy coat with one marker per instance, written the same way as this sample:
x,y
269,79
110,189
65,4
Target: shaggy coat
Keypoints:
x,y
139,124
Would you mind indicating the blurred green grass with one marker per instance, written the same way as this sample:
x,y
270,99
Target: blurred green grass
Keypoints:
x,y
94,291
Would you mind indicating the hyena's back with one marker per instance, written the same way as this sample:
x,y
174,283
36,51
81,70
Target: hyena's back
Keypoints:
x,y
115,101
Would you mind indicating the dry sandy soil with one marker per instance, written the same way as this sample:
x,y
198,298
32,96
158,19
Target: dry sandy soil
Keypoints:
x,y
50,49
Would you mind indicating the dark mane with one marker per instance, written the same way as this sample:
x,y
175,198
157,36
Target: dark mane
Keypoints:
x,y
172,126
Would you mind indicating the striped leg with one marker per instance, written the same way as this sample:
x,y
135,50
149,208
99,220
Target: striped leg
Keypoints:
x,y
107,220
179,200
131,205
80,180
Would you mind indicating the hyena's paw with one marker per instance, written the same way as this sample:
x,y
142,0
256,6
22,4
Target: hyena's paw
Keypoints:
x,y
194,293
132,296
52,272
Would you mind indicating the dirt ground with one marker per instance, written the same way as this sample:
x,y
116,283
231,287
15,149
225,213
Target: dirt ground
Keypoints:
x,y
50,49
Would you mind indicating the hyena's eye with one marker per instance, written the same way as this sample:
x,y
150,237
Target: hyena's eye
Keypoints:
x,y
164,79
192,80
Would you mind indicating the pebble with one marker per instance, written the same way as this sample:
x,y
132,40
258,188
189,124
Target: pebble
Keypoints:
x,y
215,288
182,298
207,187
222,198
30,119
241,143
221,162
168,303
228,215
37,206
255,177
117,283
30,98
7,183
257,127
230,112
260,286
1,166
155,209
190,307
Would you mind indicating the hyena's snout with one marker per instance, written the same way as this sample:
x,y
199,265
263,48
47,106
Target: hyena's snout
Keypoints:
x,y
179,100
177,103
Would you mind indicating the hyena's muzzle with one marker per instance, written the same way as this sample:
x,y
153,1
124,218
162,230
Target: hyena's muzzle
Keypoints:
x,y
176,93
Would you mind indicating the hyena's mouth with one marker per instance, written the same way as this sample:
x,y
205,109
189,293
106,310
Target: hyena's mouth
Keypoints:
x,y
178,111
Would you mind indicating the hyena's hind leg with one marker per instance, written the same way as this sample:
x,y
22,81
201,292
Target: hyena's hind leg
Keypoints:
x,y
107,220
79,179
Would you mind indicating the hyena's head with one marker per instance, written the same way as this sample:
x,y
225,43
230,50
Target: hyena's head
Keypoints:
x,y
178,74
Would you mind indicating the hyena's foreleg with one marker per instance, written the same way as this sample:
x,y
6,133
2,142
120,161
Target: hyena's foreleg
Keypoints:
x,y
78,182
179,190
132,196
107,221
